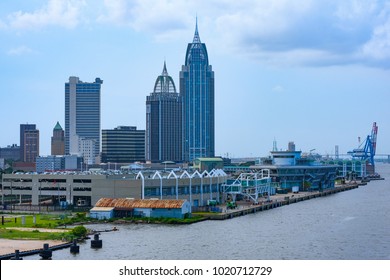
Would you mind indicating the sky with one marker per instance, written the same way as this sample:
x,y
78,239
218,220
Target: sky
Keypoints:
x,y
313,72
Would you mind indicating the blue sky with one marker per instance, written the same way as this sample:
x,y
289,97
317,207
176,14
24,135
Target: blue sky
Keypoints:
x,y
313,72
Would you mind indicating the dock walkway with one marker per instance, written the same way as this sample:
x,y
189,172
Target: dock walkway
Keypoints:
x,y
278,201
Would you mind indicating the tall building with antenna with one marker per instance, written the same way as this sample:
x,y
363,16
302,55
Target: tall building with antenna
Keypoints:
x,y
164,121
197,90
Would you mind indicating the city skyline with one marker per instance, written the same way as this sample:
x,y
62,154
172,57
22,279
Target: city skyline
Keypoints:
x,y
312,73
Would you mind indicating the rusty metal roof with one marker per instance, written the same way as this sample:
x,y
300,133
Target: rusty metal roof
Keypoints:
x,y
123,203
102,209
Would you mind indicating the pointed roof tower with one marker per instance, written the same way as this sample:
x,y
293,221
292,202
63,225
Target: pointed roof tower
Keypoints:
x,y
57,127
196,49
165,72
164,83
196,35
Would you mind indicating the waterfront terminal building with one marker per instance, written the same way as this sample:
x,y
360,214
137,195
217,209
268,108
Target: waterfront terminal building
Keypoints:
x,y
86,188
289,169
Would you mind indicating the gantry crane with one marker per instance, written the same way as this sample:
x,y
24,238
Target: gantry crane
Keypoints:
x,y
366,150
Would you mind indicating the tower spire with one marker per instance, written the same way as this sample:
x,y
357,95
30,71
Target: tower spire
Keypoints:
x,y
165,71
196,36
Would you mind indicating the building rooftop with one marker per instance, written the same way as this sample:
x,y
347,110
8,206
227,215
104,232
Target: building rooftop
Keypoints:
x,y
57,127
126,203
210,159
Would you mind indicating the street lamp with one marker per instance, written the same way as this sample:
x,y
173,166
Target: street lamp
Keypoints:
x,y
12,200
70,194
40,196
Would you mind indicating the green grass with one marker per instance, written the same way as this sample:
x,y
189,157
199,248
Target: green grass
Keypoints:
x,y
35,235
43,220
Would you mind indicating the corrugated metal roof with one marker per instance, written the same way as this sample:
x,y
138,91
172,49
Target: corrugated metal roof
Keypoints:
x,y
124,203
102,209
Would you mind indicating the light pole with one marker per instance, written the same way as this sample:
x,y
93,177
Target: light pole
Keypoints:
x,y
70,194
39,197
12,199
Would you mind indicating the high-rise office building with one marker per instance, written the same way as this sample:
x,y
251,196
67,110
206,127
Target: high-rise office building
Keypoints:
x,y
58,141
82,116
23,128
123,144
31,145
164,121
197,90
29,142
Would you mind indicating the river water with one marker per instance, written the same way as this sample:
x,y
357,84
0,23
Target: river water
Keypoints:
x,y
350,225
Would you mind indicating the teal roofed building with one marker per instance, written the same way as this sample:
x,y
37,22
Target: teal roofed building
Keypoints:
x,y
208,164
58,141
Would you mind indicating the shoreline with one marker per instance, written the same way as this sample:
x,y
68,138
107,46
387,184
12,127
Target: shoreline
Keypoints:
x,y
8,246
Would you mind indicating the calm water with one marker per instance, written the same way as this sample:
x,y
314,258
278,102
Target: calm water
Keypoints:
x,y
349,225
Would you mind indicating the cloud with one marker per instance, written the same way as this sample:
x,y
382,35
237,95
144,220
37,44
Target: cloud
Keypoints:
x,y
280,32
20,51
378,47
310,33
283,32
278,89
161,18
116,11
64,13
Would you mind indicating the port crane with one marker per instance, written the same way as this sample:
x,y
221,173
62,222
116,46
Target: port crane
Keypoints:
x,y
366,150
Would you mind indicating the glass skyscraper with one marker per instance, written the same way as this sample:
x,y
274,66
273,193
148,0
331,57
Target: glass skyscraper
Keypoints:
x,y
197,90
164,121
82,116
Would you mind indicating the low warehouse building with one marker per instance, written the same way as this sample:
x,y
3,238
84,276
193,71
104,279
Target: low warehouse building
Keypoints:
x,y
107,208
102,213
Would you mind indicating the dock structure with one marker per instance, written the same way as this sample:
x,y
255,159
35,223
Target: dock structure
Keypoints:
x,y
35,251
250,185
282,200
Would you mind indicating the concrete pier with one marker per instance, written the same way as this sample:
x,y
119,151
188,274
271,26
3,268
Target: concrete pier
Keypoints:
x,y
279,201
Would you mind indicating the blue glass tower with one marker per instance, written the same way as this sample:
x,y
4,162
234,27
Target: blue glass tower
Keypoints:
x,y
82,116
197,90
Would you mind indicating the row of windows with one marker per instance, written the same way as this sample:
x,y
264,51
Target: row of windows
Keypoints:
x,y
181,190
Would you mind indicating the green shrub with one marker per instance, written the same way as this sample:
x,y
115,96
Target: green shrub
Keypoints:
x,y
79,231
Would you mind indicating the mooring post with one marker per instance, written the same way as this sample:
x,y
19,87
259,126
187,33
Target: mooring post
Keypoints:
x,y
17,257
96,243
74,248
46,253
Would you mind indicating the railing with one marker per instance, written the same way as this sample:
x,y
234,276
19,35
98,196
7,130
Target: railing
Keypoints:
x,y
43,208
